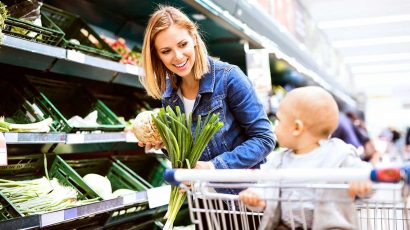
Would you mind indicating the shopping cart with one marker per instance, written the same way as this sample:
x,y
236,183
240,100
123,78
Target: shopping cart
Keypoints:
x,y
329,203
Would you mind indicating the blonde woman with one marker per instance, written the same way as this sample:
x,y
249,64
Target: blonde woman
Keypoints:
x,y
179,71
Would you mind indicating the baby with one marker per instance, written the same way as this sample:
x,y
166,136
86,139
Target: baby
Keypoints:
x,y
306,118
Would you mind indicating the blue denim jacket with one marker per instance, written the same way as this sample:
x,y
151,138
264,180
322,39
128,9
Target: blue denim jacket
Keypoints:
x,y
247,135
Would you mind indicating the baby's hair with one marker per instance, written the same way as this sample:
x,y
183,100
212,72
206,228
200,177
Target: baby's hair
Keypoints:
x,y
317,109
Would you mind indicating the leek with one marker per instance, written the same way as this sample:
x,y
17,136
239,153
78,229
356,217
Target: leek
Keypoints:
x,y
184,147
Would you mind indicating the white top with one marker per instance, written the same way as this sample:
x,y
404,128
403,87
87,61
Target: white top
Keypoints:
x,y
188,104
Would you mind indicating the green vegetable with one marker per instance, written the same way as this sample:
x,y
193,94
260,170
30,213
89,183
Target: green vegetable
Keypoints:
x,y
100,184
39,196
184,148
3,16
41,126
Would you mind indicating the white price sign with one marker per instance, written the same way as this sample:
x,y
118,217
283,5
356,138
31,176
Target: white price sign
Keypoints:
x,y
3,150
158,196
75,56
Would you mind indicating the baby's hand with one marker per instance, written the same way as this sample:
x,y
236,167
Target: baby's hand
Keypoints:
x,y
251,198
359,188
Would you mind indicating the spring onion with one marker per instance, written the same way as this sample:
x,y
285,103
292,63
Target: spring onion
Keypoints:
x,y
184,147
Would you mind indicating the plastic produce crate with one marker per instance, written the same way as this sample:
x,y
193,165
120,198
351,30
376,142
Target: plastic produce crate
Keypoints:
x,y
73,99
119,177
25,104
104,166
149,167
48,33
28,167
126,103
77,31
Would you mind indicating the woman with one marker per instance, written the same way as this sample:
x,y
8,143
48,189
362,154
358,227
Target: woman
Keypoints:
x,y
179,72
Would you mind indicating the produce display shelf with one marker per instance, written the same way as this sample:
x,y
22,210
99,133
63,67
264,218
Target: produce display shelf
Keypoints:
x,y
34,138
71,214
68,138
33,55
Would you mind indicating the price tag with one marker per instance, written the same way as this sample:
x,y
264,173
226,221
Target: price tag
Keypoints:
x,y
52,218
75,138
11,137
3,150
130,137
75,56
158,196
132,69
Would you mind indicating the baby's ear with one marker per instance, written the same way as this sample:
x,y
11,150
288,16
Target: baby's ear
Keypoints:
x,y
298,127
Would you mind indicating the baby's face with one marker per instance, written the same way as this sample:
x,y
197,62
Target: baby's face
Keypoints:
x,y
284,126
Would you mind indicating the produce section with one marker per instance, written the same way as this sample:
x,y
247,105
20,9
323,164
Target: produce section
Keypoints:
x,y
72,73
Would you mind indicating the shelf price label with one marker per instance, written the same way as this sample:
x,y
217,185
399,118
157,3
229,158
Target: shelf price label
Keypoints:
x,y
75,138
158,196
3,150
75,56
135,70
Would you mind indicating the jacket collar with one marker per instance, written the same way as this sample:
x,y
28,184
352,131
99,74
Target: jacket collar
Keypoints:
x,y
206,84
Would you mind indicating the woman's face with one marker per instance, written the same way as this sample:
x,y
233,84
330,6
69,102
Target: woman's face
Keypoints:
x,y
176,49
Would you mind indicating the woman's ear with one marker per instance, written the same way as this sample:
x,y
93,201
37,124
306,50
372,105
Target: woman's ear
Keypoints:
x,y
298,127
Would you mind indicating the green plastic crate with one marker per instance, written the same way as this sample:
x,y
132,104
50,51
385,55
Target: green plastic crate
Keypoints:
x,y
48,33
125,102
104,166
73,99
27,167
25,104
75,28
149,167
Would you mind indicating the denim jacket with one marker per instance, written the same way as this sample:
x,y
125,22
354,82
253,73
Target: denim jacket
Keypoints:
x,y
247,135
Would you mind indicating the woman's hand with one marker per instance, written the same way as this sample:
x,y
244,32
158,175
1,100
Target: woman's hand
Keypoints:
x,y
204,165
157,145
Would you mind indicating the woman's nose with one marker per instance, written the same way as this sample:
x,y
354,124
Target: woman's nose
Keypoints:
x,y
178,54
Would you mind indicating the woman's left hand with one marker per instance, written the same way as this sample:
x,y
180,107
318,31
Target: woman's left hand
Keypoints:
x,y
203,165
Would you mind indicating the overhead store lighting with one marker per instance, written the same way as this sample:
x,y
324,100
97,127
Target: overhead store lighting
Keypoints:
x,y
388,78
273,48
376,58
370,41
198,17
346,23
381,68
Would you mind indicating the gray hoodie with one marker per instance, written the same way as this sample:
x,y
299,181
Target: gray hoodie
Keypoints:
x,y
332,153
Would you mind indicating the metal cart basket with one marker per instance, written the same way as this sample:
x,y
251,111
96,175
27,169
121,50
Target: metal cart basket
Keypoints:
x,y
296,199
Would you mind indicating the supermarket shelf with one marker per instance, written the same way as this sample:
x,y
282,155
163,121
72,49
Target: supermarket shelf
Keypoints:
x,y
74,138
34,138
67,215
68,138
28,54
33,55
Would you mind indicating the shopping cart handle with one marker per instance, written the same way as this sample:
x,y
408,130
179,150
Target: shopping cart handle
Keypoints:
x,y
391,175
169,176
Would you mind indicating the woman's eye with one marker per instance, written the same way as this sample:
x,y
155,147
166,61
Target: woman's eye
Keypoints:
x,y
184,44
165,52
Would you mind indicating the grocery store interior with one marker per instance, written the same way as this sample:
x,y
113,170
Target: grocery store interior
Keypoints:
x,y
73,69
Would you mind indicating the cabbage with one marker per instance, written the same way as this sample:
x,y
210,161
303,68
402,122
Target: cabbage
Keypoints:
x,y
100,184
122,192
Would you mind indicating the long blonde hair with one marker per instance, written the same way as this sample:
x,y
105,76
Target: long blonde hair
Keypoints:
x,y
155,71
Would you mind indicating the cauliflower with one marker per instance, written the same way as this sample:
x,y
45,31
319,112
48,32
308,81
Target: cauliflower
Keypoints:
x,y
144,128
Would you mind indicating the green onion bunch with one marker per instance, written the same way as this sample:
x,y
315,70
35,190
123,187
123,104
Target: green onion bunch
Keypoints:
x,y
183,146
